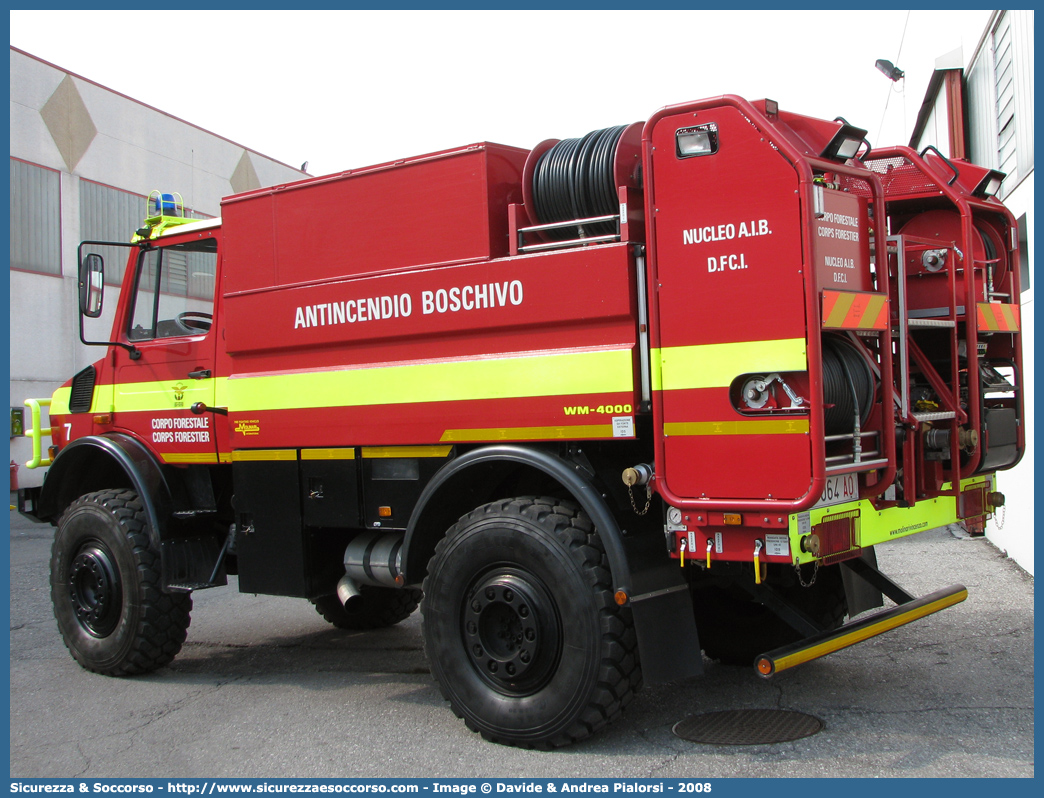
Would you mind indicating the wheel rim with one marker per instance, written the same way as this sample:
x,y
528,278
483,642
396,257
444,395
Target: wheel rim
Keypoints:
x,y
512,631
95,589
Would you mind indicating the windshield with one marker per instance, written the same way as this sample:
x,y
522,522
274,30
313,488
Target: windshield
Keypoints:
x,y
174,291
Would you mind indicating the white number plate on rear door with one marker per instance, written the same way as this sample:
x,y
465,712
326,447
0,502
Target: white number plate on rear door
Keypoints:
x,y
839,489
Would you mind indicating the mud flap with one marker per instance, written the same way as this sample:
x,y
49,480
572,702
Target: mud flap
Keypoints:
x,y
661,605
859,593
668,645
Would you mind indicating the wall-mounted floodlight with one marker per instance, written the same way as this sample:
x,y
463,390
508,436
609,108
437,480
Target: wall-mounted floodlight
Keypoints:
x,y
890,70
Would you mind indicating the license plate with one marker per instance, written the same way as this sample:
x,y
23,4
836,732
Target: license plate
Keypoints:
x,y
840,489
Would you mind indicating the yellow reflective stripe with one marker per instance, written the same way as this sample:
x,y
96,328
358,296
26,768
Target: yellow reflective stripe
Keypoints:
x,y
101,402
60,401
181,457
142,396
509,377
328,454
1008,312
854,311
375,452
717,365
656,372
251,455
840,310
551,374
759,426
529,433
866,632
997,317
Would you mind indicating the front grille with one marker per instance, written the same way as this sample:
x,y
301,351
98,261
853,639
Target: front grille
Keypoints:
x,y
82,391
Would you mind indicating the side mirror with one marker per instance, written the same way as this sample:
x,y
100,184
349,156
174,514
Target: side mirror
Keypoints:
x,y
92,285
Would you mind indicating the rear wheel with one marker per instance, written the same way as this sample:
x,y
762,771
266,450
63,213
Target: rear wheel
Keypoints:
x,y
106,588
375,608
520,627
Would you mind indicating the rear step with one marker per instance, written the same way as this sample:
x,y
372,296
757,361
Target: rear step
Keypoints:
x,y
819,645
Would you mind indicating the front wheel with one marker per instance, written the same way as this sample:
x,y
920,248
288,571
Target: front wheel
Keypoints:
x,y
106,588
520,627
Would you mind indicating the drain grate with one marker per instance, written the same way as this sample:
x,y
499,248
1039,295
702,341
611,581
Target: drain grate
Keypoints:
x,y
747,727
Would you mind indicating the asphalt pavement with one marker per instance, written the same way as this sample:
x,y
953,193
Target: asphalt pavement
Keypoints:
x,y
264,687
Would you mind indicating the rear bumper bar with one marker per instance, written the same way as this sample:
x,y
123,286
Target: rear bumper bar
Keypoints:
x,y
820,645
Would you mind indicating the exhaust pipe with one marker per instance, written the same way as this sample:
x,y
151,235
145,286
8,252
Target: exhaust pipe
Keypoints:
x,y
348,593
372,558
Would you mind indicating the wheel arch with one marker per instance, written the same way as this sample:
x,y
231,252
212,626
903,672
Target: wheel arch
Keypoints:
x,y
482,475
112,460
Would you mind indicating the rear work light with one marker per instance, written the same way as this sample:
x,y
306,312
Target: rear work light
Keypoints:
x,y
699,140
990,184
845,144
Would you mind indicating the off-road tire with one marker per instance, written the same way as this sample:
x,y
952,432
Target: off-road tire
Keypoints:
x,y
106,588
734,629
376,608
508,587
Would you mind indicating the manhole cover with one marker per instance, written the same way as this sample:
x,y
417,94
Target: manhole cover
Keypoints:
x,y
747,727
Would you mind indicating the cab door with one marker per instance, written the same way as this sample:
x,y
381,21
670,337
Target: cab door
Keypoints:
x,y
169,322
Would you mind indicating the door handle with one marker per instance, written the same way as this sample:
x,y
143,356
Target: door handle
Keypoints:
x,y
202,374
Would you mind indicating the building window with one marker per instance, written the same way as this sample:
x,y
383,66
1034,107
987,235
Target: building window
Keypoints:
x,y
36,228
111,214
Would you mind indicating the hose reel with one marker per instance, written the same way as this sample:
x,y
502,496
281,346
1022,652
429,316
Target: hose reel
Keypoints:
x,y
848,386
575,179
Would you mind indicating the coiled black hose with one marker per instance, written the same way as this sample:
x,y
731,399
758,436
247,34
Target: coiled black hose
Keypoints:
x,y
848,382
574,180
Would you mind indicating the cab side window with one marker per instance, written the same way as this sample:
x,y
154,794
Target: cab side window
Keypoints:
x,y
174,291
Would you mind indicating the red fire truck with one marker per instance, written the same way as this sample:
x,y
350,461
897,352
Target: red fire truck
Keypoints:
x,y
596,406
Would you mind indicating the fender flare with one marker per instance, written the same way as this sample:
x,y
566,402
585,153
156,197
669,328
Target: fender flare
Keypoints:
x,y
66,481
568,474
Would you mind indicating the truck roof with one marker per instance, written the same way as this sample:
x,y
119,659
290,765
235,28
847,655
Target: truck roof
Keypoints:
x,y
189,227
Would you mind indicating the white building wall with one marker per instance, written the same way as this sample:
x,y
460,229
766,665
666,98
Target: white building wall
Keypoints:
x,y
935,128
1012,529
135,148
999,81
999,92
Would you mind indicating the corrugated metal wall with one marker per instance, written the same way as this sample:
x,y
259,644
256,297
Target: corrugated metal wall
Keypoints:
x,y
111,214
1022,49
1000,98
1004,86
108,214
36,229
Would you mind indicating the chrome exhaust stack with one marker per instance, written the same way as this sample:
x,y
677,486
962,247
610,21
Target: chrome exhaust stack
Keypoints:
x,y
348,592
372,558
